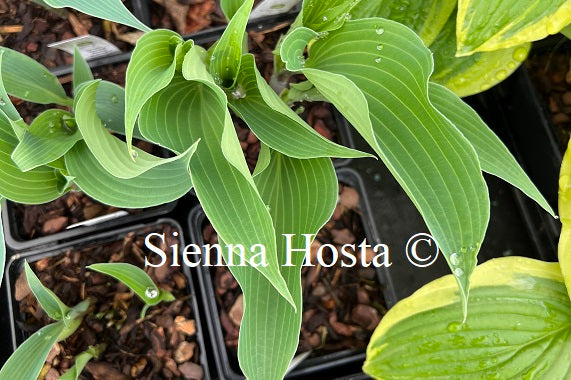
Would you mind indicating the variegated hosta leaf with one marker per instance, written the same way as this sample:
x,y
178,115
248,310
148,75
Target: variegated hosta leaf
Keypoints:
x,y
36,186
112,10
487,25
325,15
494,157
376,72
301,196
425,17
159,185
474,73
564,249
274,123
193,109
49,137
81,70
435,22
227,54
152,67
519,327
26,79
109,150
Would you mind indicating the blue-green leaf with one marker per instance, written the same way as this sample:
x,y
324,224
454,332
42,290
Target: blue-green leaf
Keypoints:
x,y
47,299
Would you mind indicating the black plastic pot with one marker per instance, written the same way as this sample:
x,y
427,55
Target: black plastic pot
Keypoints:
x,y
17,243
15,266
327,366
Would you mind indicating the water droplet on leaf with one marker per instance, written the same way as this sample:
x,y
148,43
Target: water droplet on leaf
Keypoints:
x,y
134,154
114,99
2,102
458,272
380,31
455,259
151,293
378,60
380,47
520,54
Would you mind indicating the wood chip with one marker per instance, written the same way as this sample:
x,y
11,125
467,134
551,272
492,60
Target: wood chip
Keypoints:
x,y
184,352
186,326
237,311
6,29
191,371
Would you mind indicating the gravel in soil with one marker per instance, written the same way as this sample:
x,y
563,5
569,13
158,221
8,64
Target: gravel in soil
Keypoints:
x,y
341,306
551,74
30,28
161,346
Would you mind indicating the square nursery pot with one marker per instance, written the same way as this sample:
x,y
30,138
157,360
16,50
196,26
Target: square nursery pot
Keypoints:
x,y
150,344
39,225
371,287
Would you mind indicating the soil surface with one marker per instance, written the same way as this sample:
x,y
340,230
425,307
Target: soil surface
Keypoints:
x,y
30,28
342,306
551,73
161,346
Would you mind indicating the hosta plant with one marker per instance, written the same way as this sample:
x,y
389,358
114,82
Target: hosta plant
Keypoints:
x,y
519,326
377,73
28,360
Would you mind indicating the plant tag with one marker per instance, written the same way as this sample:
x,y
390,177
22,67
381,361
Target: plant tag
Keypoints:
x,y
272,7
90,47
99,219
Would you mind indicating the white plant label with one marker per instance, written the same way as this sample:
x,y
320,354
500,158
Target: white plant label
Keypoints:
x,y
90,47
272,7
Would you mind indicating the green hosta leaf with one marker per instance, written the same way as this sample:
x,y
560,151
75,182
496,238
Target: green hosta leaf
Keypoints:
x,y
426,18
81,361
26,79
36,186
519,327
274,122
477,72
230,7
161,184
566,31
112,10
135,279
151,69
219,172
564,249
493,24
49,137
27,361
227,54
81,70
109,150
301,195
2,244
494,157
384,94
47,299
325,15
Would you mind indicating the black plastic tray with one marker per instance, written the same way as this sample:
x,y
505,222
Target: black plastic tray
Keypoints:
x,y
17,244
325,367
16,262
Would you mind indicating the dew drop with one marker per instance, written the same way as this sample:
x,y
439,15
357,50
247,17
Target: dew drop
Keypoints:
x,y
511,65
520,54
380,31
455,259
501,75
114,99
324,18
454,326
348,16
27,93
239,93
299,110
378,60
151,293
134,154
458,272
380,47
2,102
